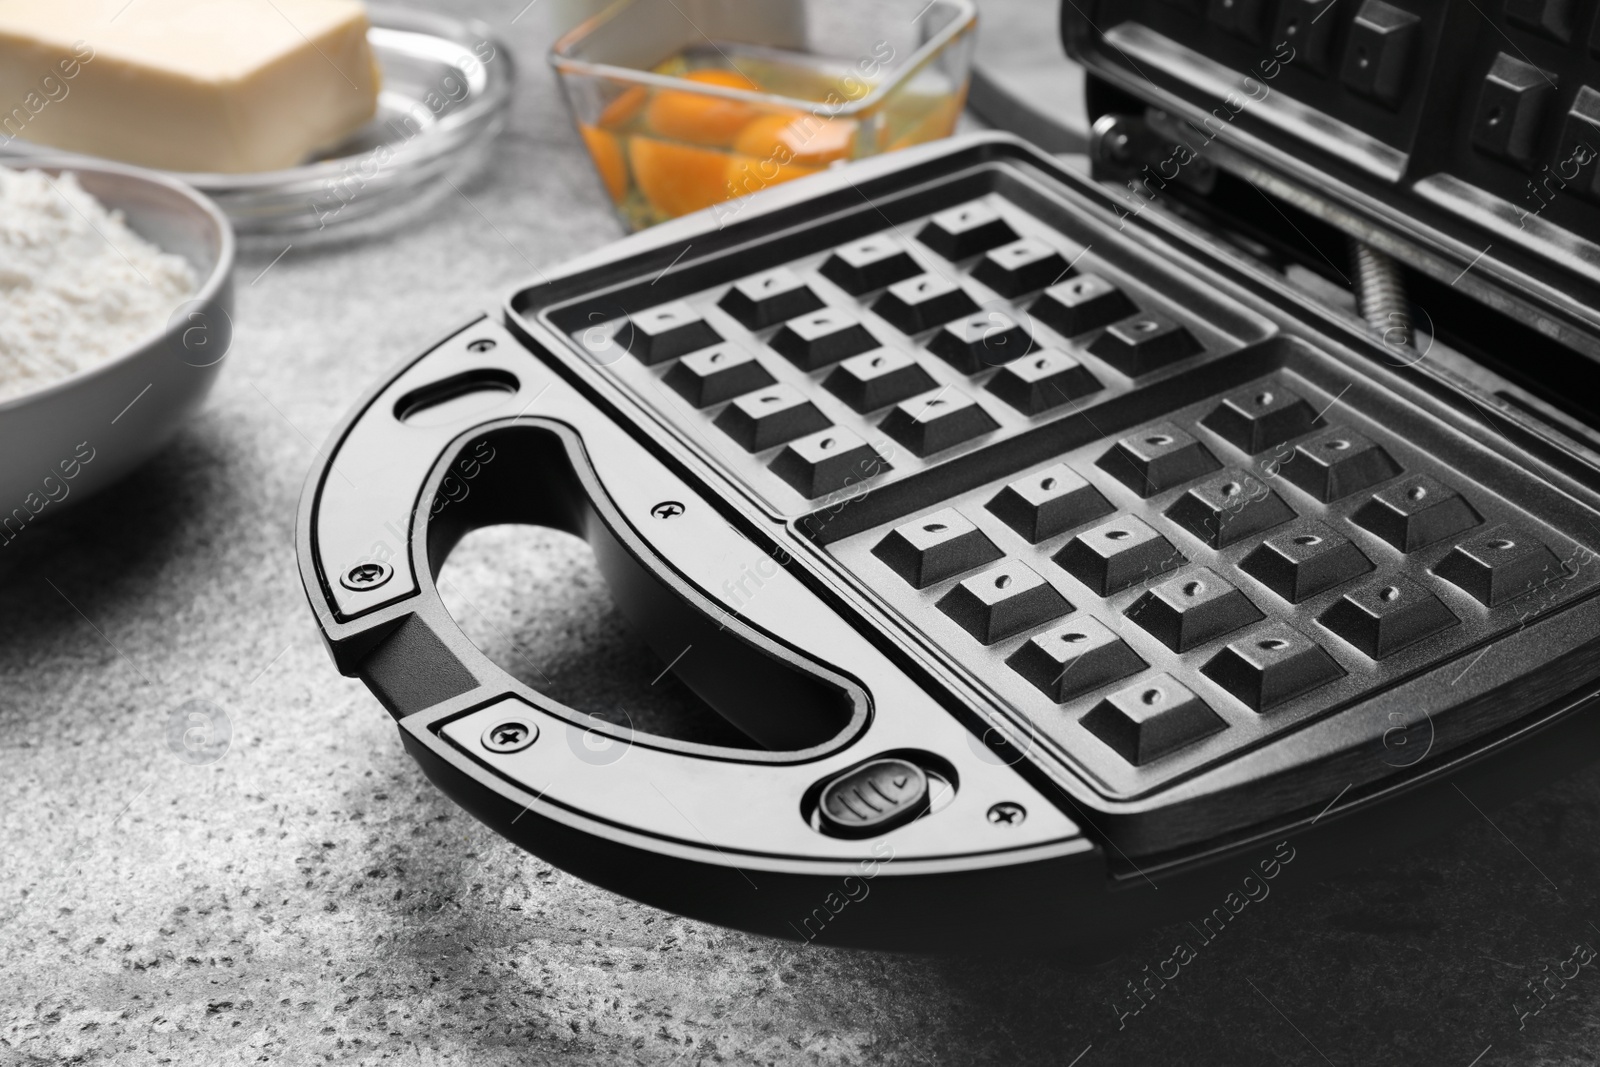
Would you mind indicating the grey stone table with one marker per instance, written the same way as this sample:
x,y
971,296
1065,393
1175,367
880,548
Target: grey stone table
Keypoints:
x,y
309,897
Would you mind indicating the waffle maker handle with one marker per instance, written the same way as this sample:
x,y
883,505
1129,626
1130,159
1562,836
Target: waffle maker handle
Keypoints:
x,y
480,431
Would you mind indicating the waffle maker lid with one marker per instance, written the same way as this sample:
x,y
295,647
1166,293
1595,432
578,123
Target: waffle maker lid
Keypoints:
x,y
1460,139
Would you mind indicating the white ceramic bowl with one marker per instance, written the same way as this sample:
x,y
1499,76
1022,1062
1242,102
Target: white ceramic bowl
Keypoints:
x,y
65,441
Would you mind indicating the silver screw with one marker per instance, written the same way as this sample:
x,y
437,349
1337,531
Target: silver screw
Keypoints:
x,y
667,509
1006,813
367,575
510,735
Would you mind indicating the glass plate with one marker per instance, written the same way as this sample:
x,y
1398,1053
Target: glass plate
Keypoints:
x,y
446,89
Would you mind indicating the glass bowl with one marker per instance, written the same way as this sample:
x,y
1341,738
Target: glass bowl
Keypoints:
x,y
686,104
446,89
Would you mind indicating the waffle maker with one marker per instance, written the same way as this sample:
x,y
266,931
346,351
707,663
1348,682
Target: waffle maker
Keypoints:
x,y
1064,556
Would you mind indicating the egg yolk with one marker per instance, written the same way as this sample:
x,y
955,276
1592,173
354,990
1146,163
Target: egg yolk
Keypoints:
x,y
692,151
607,155
804,139
677,179
702,120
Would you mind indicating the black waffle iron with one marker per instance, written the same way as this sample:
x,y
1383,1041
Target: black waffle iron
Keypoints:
x,y
1065,554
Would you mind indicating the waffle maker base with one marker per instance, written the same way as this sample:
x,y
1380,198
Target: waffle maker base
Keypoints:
x,y
1065,565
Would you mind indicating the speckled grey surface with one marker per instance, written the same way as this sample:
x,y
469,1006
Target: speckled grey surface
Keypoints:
x,y
309,897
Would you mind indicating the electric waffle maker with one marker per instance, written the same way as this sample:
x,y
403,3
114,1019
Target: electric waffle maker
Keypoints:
x,y
1065,556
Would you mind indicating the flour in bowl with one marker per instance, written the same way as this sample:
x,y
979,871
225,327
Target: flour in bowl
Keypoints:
x,y
77,287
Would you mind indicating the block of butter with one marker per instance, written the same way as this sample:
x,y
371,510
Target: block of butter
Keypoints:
x,y
226,86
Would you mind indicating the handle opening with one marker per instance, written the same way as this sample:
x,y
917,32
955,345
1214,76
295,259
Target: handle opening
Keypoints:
x,y
537,474
499,584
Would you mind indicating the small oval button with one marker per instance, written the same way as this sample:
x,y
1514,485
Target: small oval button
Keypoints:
x,y
874,798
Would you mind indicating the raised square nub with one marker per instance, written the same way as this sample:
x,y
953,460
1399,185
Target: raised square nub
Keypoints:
x,y
1021,267
1003,601
1116,554
1386,615
1157,458
1271,665
868,264
1579,142
937,421
1229,508
1377,58
1074,657
978,342
1043,379
1192,609
770,417
935,547
1500,564
1078,305
769,298
1336,463
877,379
1048,502
1553,18
1144,343
1300,24
658,334
1255,419
1151,718
966,231
819,338
1415,513
923,302
1305,559
1511,107
827,461
717,374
